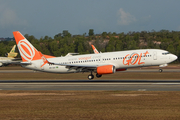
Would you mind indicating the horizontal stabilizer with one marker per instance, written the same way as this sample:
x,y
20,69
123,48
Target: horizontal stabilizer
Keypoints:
x,y
25,63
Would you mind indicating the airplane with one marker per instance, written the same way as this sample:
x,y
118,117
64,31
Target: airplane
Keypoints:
x,y
10,57
96,52
101,64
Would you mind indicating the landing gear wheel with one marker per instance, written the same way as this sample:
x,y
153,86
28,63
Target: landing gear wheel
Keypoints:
x,y
160,70
91,76
98,76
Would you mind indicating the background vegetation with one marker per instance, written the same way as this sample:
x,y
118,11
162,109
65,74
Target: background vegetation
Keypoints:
x,y
65,42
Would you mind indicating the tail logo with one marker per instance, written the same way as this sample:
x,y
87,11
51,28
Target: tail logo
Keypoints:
x,y
26,49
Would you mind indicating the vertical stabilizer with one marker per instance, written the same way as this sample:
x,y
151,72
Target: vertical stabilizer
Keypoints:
x,y
12,53
27,51
13,49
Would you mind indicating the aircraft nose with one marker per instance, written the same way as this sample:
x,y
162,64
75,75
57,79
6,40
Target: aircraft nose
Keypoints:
x,y
174,57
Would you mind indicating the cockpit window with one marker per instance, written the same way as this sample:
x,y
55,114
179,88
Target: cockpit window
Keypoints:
x,y
165,53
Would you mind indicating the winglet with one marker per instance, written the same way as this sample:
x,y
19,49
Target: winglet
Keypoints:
x,y
94,49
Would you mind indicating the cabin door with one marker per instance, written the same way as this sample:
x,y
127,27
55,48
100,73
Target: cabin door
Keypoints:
x,y
155,55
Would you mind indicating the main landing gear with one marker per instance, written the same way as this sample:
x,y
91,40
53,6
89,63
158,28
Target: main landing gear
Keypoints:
x,y
98,76
91,76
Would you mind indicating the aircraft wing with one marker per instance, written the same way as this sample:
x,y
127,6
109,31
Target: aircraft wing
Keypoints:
x,y
77,67
80,67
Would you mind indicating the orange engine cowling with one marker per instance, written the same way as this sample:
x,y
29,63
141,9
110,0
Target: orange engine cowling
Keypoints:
x,y
107,69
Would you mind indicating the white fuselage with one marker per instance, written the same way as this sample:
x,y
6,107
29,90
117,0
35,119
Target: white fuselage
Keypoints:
x,y
120,59
5,60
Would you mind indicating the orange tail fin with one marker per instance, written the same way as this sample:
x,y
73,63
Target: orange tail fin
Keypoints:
x,y
27,51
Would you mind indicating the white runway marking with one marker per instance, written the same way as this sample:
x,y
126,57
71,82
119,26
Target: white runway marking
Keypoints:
x,y
141,89
166,84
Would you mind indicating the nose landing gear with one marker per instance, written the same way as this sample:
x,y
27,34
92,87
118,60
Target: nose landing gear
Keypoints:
x,y
160,70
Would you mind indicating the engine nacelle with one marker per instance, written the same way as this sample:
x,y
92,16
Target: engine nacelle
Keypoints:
x,y
107,69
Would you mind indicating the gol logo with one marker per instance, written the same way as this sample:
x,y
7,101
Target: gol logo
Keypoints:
x,y
134,58
26,49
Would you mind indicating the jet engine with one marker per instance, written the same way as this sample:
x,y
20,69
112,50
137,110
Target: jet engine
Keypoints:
x,y
107,69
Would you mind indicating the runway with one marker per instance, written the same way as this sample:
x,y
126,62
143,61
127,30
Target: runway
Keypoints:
x,y
128,70
106,85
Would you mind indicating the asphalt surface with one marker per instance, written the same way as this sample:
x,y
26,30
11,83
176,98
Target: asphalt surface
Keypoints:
x,y
125,85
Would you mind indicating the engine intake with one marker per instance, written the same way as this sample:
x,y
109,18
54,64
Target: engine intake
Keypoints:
x,y
107,69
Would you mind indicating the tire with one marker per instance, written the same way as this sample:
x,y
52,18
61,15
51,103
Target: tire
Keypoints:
x,y
98,76
90,77
160,70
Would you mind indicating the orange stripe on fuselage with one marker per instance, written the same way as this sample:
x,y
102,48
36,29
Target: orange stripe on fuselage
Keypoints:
x,y
48,56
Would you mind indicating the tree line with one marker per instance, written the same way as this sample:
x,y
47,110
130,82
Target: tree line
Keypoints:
x,y
64,42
